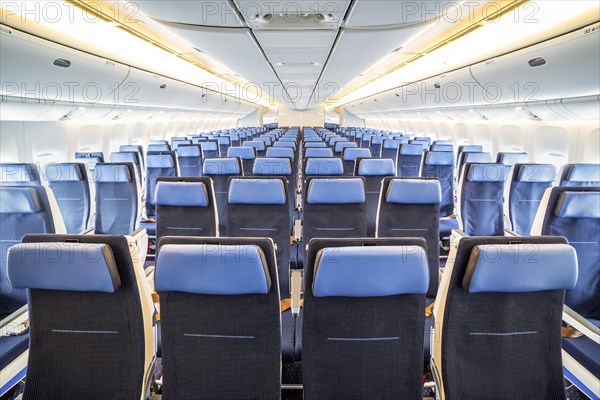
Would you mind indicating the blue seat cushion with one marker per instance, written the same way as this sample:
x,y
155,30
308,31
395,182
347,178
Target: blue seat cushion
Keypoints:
x,y
11,347
446,226
585,351
150,227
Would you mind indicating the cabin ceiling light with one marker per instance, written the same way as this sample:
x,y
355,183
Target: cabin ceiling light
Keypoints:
x,y
488,40
110,40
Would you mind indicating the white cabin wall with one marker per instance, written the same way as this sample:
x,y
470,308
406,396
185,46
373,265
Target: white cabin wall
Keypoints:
x,y
49,141
546,142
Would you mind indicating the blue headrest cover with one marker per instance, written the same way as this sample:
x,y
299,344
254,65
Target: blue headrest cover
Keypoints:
x,y
181,194
19,173
158,141
112,173
477,157
272,166
280,152
439,158
75,267
442,147
189,151
130,147
125,157
245,153
340,146
414,191
584,173
19,200
256,191
410,150
515,268
476,148
285,144
267,140
578,205
260,146
351,153
536,173
486,173
377,140
223,140
209,146
392,143
312,145
324,166
222,166
377,167
159,147
212,269
336,191
318,152
371,271
512,158
63,172
160,161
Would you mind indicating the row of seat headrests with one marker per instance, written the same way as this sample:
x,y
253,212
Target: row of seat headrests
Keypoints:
x,y
353,271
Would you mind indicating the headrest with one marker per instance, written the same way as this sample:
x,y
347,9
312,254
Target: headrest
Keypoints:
x,y
414,191
75,267
63,172
578,205
160,161
336,191
19,200
442,147
281,143
410,150
125,156
335,139
312,139
476,148
188,150
91,161
512,158
181,194
267,140
272,166
377,140
317,152
470,157
514,268
351,154
92,154
260,146
280,152
324,166
158,141
439,158
370,271
223,140
131,147
536,173
311,145
245,153
209,146
377,167
112,173
486,172
159,147
367,137
393,143
222,166
256,191
583,173
212,269
340,146
15,173
423,139
179,143
443,142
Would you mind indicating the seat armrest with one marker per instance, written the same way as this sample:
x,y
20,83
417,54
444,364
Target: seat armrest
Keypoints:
x,y
13,323
296,280
298,230
581,324
140,237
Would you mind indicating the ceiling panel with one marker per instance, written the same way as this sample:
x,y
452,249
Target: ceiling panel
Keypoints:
x,y
399,12
233,47
199,12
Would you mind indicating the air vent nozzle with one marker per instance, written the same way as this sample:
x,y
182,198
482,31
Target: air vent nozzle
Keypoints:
x,y
537,62
61,62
